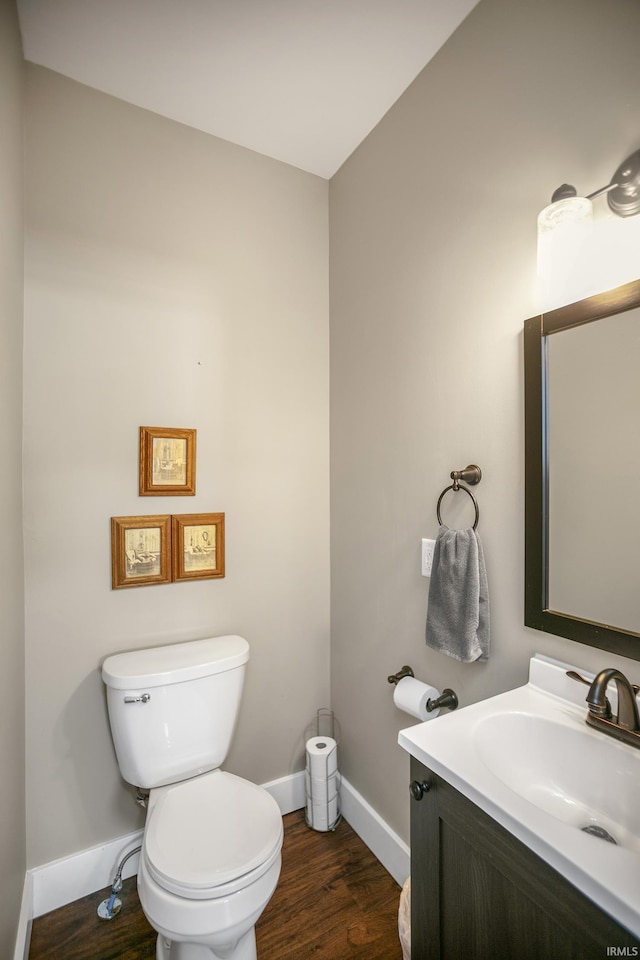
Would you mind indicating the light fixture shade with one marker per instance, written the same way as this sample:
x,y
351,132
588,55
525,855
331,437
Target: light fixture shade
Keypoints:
x,y
564,235
569,214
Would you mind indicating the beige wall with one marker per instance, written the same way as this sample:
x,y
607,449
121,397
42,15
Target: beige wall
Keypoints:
x,y
433,258
172,280
12,789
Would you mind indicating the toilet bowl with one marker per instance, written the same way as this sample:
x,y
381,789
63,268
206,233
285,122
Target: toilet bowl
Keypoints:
x,y
211,852
210,862
223,927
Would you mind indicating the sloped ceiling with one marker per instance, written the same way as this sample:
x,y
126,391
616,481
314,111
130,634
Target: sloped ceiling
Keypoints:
x,y
303,81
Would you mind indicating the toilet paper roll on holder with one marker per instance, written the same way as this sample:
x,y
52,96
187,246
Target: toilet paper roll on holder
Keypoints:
x,y
448,699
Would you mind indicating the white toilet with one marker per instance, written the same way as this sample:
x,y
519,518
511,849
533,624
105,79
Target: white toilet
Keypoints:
x,y
210,858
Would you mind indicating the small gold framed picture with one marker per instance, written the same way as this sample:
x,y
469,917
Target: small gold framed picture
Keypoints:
x,y
140,551
198,546
167,462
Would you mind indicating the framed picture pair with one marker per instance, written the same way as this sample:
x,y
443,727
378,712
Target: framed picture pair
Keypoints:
x,y
166,549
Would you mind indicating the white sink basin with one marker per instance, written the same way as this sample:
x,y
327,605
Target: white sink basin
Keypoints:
x,y
528,759
584,780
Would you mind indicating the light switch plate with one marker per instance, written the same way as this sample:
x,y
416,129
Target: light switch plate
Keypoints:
x,y
428,546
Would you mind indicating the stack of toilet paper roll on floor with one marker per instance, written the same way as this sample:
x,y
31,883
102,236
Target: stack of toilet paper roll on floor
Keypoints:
x,y
321,779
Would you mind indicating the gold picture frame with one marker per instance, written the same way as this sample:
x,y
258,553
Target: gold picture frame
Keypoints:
x,y
198,546
140,551
167,462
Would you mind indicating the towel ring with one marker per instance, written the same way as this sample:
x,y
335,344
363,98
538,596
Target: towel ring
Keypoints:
x,y
458,486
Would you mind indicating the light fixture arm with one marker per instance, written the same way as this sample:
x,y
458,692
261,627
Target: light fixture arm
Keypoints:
x,y
623,193
597,193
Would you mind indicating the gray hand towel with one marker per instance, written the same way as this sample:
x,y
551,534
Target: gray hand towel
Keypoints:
x,y
458,613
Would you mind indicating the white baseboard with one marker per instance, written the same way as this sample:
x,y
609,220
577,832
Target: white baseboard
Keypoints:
x,y
289,792
62,881
23,936
70,878
392,852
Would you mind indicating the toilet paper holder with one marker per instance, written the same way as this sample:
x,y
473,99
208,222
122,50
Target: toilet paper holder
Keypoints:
x,y
448,699
403,672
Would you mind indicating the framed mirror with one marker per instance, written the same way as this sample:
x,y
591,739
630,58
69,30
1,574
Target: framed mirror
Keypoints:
x,y
582,465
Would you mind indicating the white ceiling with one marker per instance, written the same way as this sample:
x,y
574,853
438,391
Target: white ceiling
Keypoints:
x,y
303,81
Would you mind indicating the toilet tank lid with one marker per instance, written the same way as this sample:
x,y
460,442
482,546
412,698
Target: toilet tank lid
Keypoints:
x,y
174,663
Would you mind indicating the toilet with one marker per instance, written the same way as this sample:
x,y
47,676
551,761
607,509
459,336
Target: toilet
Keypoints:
x,y
211,852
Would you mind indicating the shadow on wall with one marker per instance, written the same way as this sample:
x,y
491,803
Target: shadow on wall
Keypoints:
x,y
98,800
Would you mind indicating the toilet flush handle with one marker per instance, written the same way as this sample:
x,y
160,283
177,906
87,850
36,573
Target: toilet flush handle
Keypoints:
x,y
142,699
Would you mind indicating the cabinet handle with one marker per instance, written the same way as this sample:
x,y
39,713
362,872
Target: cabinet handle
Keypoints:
x,y
418,789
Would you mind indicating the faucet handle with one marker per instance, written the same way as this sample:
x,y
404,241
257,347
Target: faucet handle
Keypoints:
x,y
574,675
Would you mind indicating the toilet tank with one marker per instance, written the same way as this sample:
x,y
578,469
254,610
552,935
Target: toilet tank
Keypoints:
x,y
173,709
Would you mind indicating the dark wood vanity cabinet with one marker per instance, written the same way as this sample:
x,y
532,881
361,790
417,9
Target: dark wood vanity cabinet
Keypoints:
x,y
478,893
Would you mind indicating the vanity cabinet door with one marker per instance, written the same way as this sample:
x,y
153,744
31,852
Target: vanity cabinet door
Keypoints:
x,y
478,893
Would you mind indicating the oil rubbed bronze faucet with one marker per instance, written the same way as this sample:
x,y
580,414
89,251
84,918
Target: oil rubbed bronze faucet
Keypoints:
x,y
626,726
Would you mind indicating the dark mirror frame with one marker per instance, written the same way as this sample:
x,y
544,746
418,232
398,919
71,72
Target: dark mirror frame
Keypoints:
x,y
536,611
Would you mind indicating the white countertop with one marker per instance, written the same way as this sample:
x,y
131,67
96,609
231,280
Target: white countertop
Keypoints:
x,y
607,874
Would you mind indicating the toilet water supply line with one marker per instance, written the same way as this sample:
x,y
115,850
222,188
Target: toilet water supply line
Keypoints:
x,y
111,906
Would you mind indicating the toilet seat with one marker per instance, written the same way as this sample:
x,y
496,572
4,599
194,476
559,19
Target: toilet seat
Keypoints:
x,y
211,835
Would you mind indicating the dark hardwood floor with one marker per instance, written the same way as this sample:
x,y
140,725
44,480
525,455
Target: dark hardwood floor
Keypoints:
x,y
334,901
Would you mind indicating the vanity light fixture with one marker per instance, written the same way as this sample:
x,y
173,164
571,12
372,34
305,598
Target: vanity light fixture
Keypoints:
x,y
568,257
